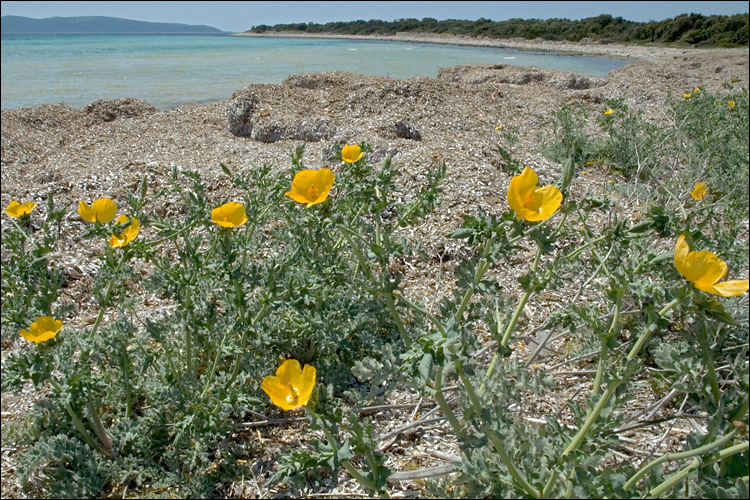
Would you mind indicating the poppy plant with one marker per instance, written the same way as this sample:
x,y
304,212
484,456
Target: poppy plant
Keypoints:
x,y
351,154
128,234
292,386
704,270
609,111
311,186
699,190
230,214
529,201
102,210
15,209
44,328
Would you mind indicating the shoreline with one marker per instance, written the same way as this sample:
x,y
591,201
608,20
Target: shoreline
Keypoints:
x,y
583,48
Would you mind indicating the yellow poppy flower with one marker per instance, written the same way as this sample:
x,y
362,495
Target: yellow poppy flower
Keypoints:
x,y
730,104
102,210
704,270
311,186
697,89
530,202
292,386
699,191
44,328
15,209
127,235
352,153
498,126
609,111
686,95
230,214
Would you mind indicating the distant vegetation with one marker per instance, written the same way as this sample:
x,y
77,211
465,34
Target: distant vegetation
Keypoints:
x,y
692,29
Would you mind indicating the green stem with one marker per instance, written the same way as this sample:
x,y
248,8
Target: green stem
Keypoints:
x,y
648,330
708,355
670,457
479,273
674,479
107,292
513,320
497,443
604,354
101,432
443,404
685,471
236,368
353,471
355,249
391,305
520,480
78,423
125,366
590,419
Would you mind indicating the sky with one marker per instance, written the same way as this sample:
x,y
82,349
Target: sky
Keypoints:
x,y
241,16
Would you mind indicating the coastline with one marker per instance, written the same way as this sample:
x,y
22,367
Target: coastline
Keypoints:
x,y
583,48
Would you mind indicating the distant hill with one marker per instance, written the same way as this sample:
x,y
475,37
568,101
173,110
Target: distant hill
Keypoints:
x,y
98,25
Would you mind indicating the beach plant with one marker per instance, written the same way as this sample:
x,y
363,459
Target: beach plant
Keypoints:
x,y
282,302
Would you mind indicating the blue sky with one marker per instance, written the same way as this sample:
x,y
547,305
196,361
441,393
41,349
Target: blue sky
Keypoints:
x,y
241,16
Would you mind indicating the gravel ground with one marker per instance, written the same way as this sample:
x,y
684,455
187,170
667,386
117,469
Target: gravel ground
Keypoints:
x,y
104,149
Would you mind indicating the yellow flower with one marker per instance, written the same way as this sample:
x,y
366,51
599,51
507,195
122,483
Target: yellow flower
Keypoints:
x,y
530,202
498,126
699,191
127,235
15,209
44,328
292,386
697,89
352,153
686,95
704,270
102,210
730,104
312,186
230,214
609,111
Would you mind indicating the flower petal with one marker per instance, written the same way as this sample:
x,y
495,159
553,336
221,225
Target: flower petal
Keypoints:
x,y
705,268
681,251
549,198
105,209
86,212
278,392
521,186
730,288
308,382
699,191
44,328
351,153
15,209
230,214
290,372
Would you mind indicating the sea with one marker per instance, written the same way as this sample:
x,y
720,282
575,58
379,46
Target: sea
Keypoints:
x,y
170,70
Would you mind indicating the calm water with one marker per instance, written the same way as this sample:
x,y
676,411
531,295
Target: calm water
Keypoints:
x,y
170,70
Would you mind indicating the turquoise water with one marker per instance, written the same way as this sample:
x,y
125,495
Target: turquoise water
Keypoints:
x,y
168,71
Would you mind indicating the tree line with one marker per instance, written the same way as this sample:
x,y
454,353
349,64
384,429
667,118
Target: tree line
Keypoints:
x,y
691,29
